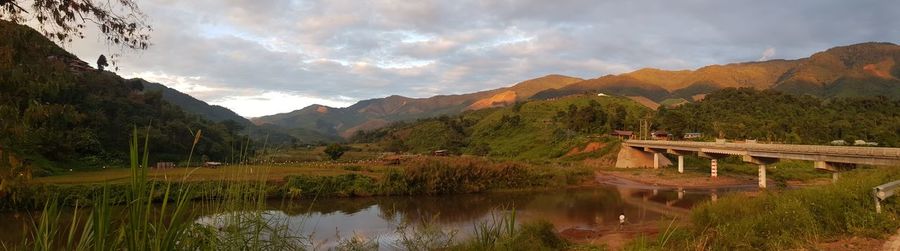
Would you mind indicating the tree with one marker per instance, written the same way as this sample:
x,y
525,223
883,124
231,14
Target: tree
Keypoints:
x,y
64,20
101,62
335,151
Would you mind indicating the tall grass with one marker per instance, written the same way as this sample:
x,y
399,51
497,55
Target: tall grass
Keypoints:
x,y
155,216
790,219
436,177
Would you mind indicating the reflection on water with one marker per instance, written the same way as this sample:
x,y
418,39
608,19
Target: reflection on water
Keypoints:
x,y
327,221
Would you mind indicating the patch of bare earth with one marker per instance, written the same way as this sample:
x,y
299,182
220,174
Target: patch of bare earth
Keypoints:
x,y
893,243
590,147
614,237
851,243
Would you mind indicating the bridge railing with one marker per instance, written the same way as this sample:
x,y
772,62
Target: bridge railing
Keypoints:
x,y
835,150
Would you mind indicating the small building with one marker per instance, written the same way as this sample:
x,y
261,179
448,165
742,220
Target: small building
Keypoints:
x,y
212,164
440,153
839,142
692,135
659,135
621,134
165,165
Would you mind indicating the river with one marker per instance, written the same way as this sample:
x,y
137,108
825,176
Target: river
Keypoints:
x,y
325,221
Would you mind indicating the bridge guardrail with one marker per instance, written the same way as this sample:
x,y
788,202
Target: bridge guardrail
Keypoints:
x,y
842,150
884,191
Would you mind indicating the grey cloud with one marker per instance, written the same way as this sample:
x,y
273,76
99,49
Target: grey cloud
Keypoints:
x,y
335,49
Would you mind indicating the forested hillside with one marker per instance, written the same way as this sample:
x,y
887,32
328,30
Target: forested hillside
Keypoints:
x,y
858,70
57,112
768,115
526,130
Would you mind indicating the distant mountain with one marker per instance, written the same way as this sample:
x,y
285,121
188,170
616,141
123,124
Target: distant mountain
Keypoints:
x,y
375,113
274,135
188,103
866,69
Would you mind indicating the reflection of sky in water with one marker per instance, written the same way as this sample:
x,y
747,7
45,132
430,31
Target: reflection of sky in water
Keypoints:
x,y
330,220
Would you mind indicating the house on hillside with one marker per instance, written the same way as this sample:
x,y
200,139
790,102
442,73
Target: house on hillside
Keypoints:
x,y
659,135
212,164
621,134
692,135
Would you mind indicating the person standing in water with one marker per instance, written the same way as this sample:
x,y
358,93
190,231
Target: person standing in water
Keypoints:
x,y
621,220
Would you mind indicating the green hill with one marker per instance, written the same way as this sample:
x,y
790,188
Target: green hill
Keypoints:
x,y
57,112
780,117
535,130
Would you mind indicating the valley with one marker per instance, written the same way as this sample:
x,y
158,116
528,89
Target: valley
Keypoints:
x,y
704,158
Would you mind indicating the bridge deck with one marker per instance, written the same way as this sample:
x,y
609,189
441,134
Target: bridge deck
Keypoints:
x,y
874,152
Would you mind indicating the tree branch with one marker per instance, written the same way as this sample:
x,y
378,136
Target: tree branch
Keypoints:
x,y
13,3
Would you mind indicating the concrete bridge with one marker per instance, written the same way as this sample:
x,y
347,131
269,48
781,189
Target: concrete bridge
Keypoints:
x,y
649,153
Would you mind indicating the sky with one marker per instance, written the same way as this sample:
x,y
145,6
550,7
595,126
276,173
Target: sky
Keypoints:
x,y
261,57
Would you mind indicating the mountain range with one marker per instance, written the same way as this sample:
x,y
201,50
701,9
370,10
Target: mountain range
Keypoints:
x,y
866,69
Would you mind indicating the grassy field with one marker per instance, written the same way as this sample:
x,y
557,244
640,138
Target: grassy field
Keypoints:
x,y
274,173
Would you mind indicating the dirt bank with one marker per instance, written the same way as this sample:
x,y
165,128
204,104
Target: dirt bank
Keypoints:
x,y
670,178
614,237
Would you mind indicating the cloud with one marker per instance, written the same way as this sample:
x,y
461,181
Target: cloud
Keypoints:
x,y
309,51
767,54
257,105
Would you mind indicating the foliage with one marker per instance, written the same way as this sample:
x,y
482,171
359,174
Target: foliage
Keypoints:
x,y
335,151
773,116
52,114
535,130
433,177
64,21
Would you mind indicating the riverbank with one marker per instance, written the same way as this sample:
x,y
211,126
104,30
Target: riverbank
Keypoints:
x,y
669,177
422,176
829,216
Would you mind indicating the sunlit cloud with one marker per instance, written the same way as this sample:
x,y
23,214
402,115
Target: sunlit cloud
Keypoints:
x,y
318,51
274,102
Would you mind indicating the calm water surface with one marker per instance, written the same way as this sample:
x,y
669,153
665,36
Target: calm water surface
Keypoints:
x,y
326,221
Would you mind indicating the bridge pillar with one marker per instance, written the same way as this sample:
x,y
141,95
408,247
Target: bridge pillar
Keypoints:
x,y
762,176
835,176
714,168
631,157
680,164
655,160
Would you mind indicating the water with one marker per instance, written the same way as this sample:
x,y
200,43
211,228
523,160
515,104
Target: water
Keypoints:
x,y
325,221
